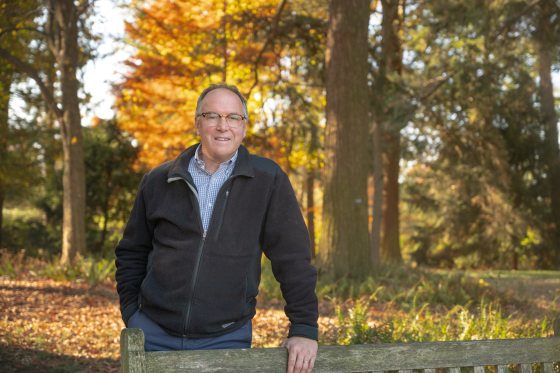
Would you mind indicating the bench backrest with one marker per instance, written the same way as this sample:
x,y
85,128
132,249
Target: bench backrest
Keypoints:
x,y
403,357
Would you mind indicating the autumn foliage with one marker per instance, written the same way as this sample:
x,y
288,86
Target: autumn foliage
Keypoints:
x,y
183,46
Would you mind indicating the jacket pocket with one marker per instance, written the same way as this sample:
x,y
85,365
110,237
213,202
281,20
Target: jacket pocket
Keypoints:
x,y
221,292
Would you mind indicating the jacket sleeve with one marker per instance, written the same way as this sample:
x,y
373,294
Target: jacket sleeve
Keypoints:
x,y
286,243
132,255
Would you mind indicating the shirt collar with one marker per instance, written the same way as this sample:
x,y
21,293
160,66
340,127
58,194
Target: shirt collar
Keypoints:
x,y
200,163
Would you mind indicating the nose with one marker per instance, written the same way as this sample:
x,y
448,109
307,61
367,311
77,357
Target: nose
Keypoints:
x,y
222,123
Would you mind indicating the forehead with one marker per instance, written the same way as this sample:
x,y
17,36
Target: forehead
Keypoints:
x,y
222,99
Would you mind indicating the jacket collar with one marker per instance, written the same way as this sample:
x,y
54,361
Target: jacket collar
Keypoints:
x,y
179,167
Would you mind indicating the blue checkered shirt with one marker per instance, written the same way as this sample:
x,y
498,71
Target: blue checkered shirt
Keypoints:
x,y
208,185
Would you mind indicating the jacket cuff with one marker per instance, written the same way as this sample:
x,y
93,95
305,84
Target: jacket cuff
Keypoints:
x,y
302,330
128,311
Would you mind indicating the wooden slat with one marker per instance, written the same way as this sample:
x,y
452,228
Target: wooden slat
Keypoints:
x,y
429,370
236,361
548,368
502,369
455,370
526,368
478,369
132,351
359,358
405,370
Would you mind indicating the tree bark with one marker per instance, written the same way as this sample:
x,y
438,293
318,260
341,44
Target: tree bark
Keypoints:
x,y
310,186
377,211
64,44
344,247
5,83
545,48
391,64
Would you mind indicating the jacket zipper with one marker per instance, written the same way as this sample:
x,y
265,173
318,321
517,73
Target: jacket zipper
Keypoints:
x,y
198,258
200,248
193,282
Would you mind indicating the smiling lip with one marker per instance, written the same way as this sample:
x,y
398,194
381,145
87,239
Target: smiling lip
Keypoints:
x,y
221,138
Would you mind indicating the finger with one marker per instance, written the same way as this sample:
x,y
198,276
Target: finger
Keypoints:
x,y
309,365
299,364
305,365
291,361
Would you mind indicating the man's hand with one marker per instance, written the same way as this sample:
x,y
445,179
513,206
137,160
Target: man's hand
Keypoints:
x,y
301,354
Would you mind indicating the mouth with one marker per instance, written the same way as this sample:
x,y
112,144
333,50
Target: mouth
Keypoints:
x,y
221,139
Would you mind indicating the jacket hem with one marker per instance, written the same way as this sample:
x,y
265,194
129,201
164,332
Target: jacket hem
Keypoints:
x,y
128,311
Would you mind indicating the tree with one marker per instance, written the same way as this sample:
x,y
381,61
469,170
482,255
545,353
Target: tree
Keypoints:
x,y
179,52
476,185
111,188
250,44
344,246
12,160
546,39
61,32
391,69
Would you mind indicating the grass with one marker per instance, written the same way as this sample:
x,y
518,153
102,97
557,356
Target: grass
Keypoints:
x,y
400,304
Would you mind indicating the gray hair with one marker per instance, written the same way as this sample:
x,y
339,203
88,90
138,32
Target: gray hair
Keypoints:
x,y
230,88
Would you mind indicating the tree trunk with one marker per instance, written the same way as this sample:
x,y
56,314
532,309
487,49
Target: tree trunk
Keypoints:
x,y
5,83
391,64
545,50
66,50
344,247
310,186
377,196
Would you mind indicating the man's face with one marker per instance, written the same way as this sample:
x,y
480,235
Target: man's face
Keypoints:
x,y
220,140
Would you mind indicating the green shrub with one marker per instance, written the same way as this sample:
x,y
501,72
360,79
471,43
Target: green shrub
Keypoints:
x,y
355,327
486,321
21,232
11,264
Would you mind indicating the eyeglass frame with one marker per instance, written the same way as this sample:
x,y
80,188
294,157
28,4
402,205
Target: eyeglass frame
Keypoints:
x,y
220,116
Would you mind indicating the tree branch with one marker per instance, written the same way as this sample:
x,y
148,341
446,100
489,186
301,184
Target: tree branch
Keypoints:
x,y
434,84
83,6
31,72
8,30
510,21
271,36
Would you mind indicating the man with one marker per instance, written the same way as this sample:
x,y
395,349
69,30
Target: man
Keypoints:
x,y
188,265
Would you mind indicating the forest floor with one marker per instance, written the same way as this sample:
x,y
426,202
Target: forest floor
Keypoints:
x,y
69,326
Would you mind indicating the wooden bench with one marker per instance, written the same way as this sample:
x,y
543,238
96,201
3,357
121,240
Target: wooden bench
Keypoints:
x,y
525,354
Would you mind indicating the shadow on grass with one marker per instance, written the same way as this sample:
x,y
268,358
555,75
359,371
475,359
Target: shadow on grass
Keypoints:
x,y
17,359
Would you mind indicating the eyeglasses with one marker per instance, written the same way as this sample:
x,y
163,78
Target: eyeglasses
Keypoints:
x,y
213,119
